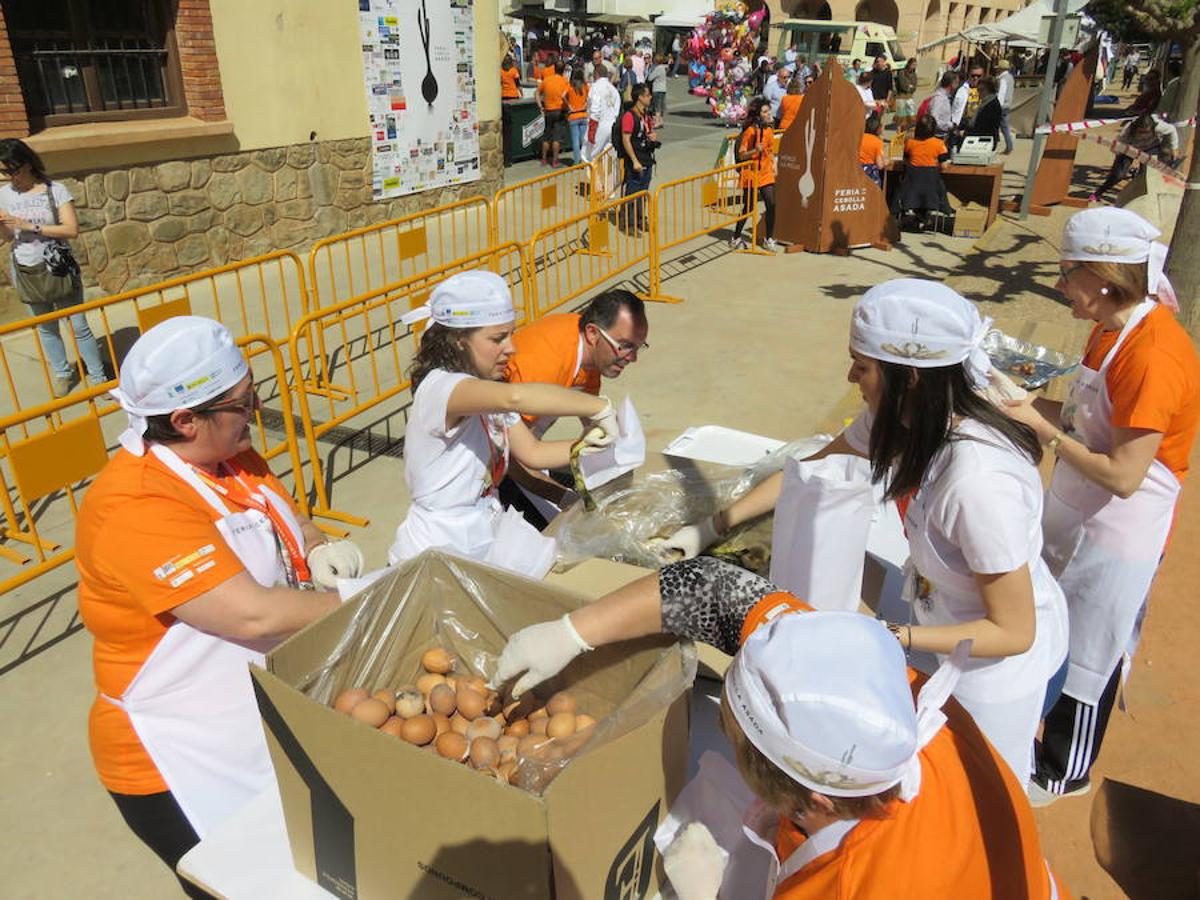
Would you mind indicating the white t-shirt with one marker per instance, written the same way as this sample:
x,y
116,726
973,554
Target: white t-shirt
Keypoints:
x,y
446,468
33,207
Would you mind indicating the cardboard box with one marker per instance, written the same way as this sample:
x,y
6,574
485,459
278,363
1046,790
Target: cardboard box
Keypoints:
x,y
369,816
970,221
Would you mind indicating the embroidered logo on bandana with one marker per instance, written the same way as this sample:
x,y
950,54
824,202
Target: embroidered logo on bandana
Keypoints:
x,y
834,779
912,350
1108,248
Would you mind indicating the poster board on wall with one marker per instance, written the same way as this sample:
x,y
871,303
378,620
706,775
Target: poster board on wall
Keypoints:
x,y
419,74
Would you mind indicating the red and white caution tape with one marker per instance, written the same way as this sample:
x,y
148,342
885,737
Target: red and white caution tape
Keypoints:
x,y
1088,124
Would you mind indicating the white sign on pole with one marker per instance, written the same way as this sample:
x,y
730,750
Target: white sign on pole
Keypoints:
x,y
419,72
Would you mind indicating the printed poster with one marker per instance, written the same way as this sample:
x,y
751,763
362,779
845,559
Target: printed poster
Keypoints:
x,y
419,72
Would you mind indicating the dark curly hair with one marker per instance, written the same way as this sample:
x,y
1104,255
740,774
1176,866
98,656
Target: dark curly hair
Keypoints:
x,y
441,348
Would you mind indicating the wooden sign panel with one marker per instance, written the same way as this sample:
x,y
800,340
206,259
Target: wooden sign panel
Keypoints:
x,y
1053,179
825,202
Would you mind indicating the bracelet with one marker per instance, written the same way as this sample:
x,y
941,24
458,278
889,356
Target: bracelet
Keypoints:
x,y
894,628
1054,442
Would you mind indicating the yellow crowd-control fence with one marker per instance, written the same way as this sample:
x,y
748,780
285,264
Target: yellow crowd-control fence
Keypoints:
x,y
527,207
49,454
577,256
360,353
689,208
266,294
370,258
608,172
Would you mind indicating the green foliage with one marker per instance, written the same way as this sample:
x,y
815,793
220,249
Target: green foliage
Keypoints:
x,y
1147,19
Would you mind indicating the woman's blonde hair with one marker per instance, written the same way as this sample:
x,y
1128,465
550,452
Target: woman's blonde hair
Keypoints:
x,y
1127,282
786,795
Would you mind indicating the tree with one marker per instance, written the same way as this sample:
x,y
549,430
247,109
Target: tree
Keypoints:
x,y
1171,20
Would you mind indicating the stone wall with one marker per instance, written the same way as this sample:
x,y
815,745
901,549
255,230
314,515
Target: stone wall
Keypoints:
x,y
144,224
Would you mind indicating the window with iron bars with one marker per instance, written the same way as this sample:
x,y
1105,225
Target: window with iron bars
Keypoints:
x,y
95,60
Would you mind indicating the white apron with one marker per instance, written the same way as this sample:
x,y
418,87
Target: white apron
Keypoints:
x,y
1103,549
1005,695
819,536
191,703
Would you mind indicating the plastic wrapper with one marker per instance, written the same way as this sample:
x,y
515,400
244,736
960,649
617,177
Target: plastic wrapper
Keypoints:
x,y
1031,366
629,516
471,609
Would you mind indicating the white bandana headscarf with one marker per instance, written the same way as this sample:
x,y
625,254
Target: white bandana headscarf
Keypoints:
x,y
923,324
825,696
1109,234
177,364
467,300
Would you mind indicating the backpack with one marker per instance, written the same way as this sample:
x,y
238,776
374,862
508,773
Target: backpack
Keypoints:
x,y
923,109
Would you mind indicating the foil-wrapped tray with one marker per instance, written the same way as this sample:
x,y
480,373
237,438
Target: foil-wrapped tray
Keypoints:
x,y
1029,365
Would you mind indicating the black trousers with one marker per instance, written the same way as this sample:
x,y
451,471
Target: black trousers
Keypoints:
x,y
768,197
161,825
1071,737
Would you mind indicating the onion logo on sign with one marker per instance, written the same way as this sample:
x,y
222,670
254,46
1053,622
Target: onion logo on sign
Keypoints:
x,y
629,875
807,184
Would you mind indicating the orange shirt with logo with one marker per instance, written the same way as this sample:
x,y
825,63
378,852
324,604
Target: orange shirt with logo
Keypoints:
x,y
869,149
548,351
577,103
145,542
1153,383
761,173
789,108
510,83
554,90
970,832
924,152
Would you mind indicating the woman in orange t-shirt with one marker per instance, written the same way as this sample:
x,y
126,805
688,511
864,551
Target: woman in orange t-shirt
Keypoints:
x,y
192,561
922,191
1122,439
756,144
510,80
790,103
870,149
856,800
576,100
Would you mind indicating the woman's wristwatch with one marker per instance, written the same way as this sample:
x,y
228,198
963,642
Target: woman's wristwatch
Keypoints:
x,y
1053,444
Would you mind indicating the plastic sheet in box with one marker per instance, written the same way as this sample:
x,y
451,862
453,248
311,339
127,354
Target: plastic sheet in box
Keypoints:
x,y
471,610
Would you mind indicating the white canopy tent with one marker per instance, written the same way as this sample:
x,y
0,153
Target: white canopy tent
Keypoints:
x,y
1023,29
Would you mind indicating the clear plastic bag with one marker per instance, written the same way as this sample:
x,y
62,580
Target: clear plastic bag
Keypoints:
x,y
471,609
629,515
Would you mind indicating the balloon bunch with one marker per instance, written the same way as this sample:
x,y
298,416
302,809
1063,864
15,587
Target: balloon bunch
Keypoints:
x,y
721,55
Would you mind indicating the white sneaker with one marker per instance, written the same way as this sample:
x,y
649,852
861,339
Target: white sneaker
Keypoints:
x,y
1039,796
737,242
771,245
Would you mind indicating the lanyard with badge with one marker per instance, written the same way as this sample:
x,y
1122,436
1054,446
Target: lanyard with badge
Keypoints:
x,y
290,552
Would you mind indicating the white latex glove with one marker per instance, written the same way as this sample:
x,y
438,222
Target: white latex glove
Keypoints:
x,y
602,428
690,540
540,651
333,560
695,863
1002,389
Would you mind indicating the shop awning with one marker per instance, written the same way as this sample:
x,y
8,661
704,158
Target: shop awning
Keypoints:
x,y
678,21
615,19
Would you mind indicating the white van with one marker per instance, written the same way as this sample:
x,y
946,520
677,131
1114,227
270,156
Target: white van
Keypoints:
x,y
819,39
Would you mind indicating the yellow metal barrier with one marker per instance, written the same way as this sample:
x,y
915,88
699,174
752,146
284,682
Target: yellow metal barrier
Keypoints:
x,y
370,258
577,256
608,172
50,452
359,357
526,207
691,207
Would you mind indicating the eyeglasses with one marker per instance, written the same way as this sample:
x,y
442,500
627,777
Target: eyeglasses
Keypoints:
x,y
245,406
622,348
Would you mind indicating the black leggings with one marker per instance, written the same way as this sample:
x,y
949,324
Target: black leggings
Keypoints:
x,y
767,193
161,825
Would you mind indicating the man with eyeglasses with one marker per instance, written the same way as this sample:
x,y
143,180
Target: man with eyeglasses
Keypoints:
x,y
966,102
573,350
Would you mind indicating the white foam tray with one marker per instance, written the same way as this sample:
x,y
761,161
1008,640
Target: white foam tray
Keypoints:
x,y
718,444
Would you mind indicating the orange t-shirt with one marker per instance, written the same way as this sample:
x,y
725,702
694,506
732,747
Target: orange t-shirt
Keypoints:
x,y
924,152
145,542
789,108
1153,383
554,89
510,83
753,138
970,832
548,351
869,149
576,103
